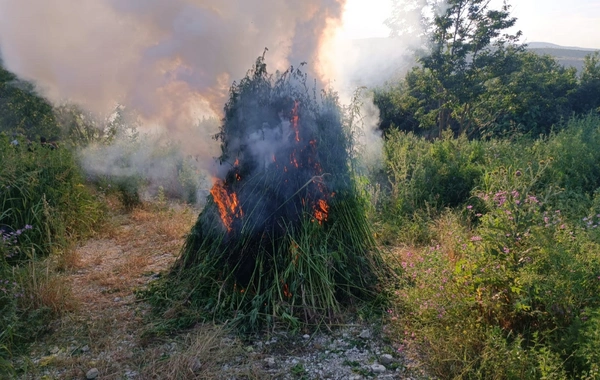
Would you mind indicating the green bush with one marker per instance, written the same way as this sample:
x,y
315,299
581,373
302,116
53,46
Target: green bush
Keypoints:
x,y
574,155
426,177
23,112
526,271
43,187
44,206
510,288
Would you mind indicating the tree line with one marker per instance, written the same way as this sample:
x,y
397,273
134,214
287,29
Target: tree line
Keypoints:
x,y
475,78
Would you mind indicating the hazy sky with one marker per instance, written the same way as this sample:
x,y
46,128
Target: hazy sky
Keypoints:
x,y
570,23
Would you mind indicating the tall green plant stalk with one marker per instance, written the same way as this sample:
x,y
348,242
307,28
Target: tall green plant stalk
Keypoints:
x,y
298,245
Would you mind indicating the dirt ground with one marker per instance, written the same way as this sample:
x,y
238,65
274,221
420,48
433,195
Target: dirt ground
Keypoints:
x,y
103,331
102,337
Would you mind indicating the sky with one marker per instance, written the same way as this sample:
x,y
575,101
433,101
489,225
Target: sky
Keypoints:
x,y
567,23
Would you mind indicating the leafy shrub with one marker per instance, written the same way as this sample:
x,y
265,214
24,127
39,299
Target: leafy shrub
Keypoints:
x,y
42,187
23,112
510,287
427,176
525,272
574,155
129,191
587,354
44,206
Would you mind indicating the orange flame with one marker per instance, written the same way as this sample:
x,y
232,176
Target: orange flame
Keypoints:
x,y
321,211
293,159
227,204
295,119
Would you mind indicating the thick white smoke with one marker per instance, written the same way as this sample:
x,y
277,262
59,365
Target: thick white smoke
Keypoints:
x,y
172,61
371,62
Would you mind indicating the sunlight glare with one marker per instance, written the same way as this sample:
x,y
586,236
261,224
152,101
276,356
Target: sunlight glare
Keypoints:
x,y
364,19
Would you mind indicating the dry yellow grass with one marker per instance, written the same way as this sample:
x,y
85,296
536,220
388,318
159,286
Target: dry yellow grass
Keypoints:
x,y
450,234
44,288
102,311
66,260
202,355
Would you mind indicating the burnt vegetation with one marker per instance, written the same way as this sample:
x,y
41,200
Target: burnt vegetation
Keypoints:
x,y
284,236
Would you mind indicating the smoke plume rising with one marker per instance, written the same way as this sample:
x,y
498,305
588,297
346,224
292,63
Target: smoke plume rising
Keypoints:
x,y
170,61
372,62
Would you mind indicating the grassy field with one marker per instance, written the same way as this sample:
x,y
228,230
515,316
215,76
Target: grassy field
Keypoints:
x,y
494,247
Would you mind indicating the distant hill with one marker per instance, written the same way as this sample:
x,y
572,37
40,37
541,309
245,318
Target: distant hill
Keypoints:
x,y
549,45
568,56
392,57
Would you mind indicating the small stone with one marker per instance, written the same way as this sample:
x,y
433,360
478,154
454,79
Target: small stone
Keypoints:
x,y
365,334
386,359
92,374
117,299
306,336
85,348
196,366
377,368
270,362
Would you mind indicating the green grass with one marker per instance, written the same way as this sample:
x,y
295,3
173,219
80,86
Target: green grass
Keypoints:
x,y
43,188
44,208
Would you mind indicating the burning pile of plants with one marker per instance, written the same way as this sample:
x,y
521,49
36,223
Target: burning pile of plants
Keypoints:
x,y
283,237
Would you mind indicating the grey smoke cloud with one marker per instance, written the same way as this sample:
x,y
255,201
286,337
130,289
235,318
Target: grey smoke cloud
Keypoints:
x,y
372,62
172,61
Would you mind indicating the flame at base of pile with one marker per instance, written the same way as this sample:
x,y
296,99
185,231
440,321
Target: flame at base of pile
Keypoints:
x,y
284,236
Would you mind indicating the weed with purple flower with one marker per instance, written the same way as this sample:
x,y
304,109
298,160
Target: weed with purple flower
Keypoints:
x,y
508,284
